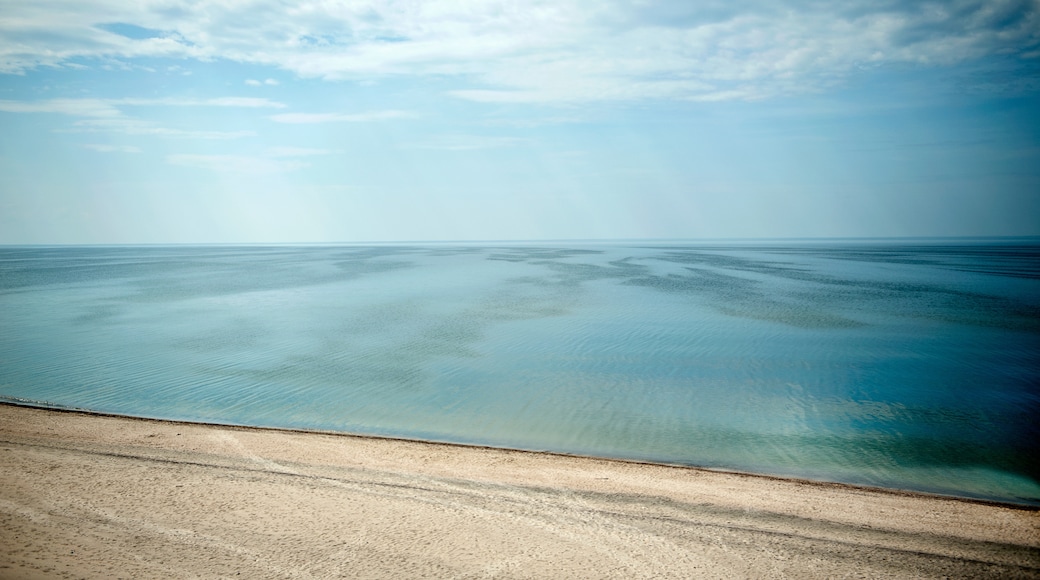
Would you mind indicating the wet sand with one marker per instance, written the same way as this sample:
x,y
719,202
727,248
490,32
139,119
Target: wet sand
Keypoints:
x,y
97,496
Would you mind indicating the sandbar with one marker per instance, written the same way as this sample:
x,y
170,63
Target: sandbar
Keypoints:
x,y
95,496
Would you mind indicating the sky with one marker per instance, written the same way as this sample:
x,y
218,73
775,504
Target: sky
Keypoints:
x,y
261,121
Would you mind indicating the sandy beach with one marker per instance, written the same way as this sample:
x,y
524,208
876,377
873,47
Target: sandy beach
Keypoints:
x,y
87,496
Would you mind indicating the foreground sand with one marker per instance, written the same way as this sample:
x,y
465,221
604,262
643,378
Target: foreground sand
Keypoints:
x,y
93,496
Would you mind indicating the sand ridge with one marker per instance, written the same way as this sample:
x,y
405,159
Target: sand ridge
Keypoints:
x,y
98,496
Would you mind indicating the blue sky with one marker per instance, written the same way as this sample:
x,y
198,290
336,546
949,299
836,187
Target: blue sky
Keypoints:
x,y
260,121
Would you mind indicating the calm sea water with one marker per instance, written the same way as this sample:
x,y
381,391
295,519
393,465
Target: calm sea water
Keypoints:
x,y
904,365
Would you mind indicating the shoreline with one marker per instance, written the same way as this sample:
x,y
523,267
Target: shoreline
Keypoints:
x,y
87,494
17,403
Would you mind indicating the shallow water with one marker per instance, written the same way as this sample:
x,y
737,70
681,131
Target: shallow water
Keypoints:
x,y
905,365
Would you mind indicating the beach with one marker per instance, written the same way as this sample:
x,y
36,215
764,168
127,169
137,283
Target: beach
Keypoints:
x,y
91,496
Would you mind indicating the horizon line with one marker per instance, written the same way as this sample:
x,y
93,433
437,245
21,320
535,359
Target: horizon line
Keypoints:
x,y
852,239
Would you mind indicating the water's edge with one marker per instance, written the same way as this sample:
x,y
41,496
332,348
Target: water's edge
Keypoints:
x,y
57,408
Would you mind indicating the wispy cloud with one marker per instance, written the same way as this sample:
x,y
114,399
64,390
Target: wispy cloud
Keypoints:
x,y
111,107
75,107
303,118
245,102
107,115
128,126
540,51
256,83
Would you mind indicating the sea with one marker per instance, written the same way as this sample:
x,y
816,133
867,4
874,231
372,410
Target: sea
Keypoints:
x,y
904,364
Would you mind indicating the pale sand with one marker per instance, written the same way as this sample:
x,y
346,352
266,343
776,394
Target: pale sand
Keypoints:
x,y
94,496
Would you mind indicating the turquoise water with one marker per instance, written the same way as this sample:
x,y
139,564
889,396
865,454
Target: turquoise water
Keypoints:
x,y
912,365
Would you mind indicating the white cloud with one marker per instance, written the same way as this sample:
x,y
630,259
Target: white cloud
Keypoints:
x,y
537,51
245,102
105,115
253,82
302,118
110,107
128,126
75,107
